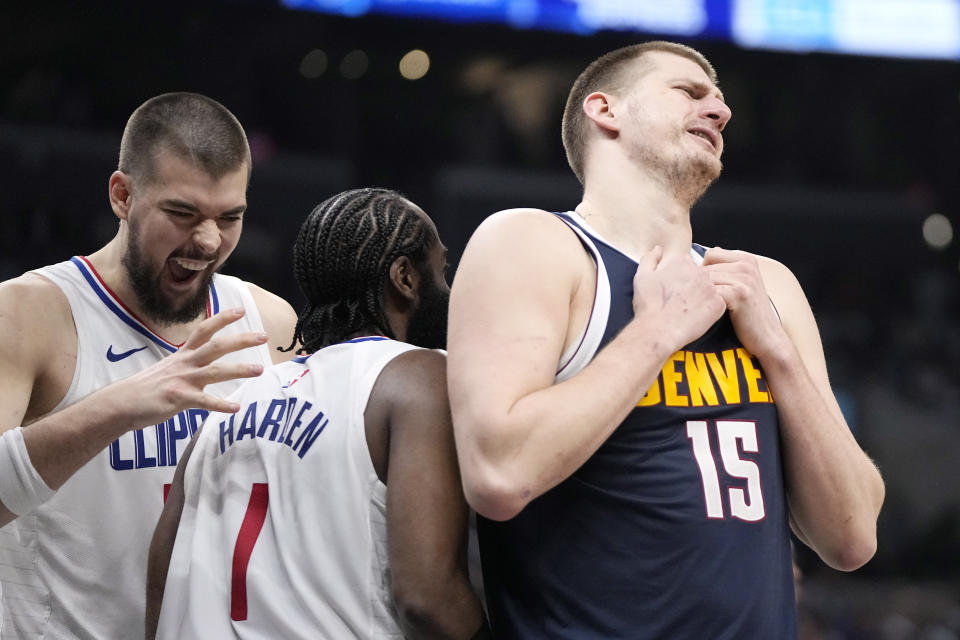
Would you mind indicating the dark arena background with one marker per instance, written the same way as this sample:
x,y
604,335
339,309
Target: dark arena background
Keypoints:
x,y
841,161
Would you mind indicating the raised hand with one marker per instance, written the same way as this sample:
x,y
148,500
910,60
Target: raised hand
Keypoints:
x,y
177,382
678,293
62,442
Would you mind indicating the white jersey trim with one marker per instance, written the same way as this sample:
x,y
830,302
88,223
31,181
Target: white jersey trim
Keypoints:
x,y
581,351
118,308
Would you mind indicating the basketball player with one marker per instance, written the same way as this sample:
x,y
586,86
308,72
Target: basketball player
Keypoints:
x,y
73,564
639,420
330,506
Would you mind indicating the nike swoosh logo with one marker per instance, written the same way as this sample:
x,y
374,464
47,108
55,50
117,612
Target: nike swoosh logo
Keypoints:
x,y
117,357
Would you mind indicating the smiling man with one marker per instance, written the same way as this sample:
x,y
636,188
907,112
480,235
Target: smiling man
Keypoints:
x,y
73,563
638,419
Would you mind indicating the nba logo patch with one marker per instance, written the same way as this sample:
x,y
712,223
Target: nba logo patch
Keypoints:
x,y
296,379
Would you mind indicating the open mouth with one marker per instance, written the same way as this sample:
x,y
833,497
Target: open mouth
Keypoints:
x,y
184,271
705,136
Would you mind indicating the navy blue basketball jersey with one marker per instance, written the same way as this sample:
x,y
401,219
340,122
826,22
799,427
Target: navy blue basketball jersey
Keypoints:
x,y
676,528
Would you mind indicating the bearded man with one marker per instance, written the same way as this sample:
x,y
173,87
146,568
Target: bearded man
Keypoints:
x,y
640,420
106,361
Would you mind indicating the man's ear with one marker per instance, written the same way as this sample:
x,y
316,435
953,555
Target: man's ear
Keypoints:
x,y
404,279
598,106
119,191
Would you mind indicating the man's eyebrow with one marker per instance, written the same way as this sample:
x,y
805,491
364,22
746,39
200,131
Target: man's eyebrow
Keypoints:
x,y
702,87
179,204
188,206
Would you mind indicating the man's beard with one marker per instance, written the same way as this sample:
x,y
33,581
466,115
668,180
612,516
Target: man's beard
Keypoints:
x,y
428,323
686,176
689,178
145,280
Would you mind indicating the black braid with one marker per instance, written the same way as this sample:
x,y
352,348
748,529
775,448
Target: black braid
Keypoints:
x,y
342,259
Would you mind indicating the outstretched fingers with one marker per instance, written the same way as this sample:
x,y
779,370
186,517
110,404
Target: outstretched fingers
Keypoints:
x,y
220,346
207,348
211,325
185,386
223,371
213,403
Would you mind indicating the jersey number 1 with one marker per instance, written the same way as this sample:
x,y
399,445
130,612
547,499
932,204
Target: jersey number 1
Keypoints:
x,y
744,504
246,538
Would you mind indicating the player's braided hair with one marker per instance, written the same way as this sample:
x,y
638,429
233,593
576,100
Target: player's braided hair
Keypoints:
x,y
342,258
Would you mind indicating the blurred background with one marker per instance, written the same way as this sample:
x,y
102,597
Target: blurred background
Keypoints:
x,y
841,161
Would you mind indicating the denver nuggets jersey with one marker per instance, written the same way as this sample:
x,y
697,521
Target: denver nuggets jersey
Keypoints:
x,y
676,528
76,566
283,532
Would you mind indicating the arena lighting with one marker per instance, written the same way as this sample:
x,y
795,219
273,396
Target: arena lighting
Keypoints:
x,y
902,28
937,231
896,28
354,64
314,64
414,64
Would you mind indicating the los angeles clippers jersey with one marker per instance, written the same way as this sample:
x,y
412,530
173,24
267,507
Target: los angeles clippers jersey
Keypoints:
x,y
76,566
283,531
676,528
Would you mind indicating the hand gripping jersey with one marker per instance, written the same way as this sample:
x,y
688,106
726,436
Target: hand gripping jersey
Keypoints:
x,y
76,566
283,532
676,528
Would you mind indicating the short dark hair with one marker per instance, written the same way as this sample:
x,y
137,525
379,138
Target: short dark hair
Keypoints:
x,y
192,127
610,72
342,260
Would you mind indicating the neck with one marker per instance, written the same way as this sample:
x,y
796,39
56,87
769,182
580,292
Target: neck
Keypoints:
x,y
635,212
365,333
108,261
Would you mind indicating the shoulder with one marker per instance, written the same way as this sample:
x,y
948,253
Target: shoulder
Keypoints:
x,y
525,241
787,296
410,395
418,365
34,303
38,340
525,222
414,376
278,317
779,280
270,304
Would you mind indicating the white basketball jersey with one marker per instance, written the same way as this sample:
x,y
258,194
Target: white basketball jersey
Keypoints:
x,y
283,532
76,566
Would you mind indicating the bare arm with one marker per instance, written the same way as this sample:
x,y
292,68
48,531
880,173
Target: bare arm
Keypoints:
x,y
279,320
426,512
161,546
36,330
834,490
60,443
519,434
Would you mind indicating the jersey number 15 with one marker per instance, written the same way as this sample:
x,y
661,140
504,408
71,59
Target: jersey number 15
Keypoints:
x,y
744,504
